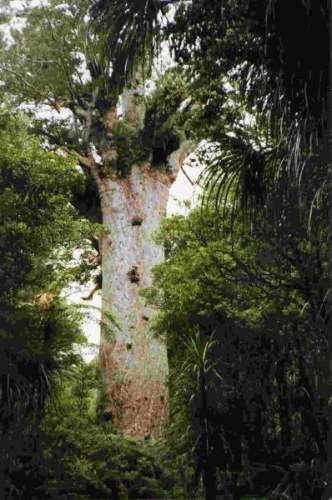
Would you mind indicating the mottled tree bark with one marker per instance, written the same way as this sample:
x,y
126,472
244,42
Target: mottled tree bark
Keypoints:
x,y
134,363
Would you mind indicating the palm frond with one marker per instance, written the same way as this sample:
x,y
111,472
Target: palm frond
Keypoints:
x,y
239,176
132,34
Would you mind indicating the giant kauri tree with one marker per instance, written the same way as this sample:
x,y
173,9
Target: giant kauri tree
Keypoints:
x,y
130,148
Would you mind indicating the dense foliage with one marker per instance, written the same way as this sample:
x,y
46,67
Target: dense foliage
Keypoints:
x,y
98,461
38,331
242,293
245,331
258,42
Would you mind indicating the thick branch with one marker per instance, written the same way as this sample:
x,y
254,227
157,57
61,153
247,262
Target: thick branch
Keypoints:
x,y
86,161
187,176
177,158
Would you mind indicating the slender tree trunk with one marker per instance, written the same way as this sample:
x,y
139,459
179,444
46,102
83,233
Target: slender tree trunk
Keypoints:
x,y
209,466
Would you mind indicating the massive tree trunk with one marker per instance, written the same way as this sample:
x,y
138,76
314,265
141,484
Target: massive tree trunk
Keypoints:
x,y
134,363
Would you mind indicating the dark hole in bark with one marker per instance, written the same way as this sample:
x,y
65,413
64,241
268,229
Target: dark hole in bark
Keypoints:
x,y
133,275
162,398
136,221
145,318
106,416
129,346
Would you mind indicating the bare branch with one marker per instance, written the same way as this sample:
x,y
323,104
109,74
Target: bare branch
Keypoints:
x,y
187,176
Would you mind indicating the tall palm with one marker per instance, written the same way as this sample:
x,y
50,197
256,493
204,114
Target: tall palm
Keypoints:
x,y
132,33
